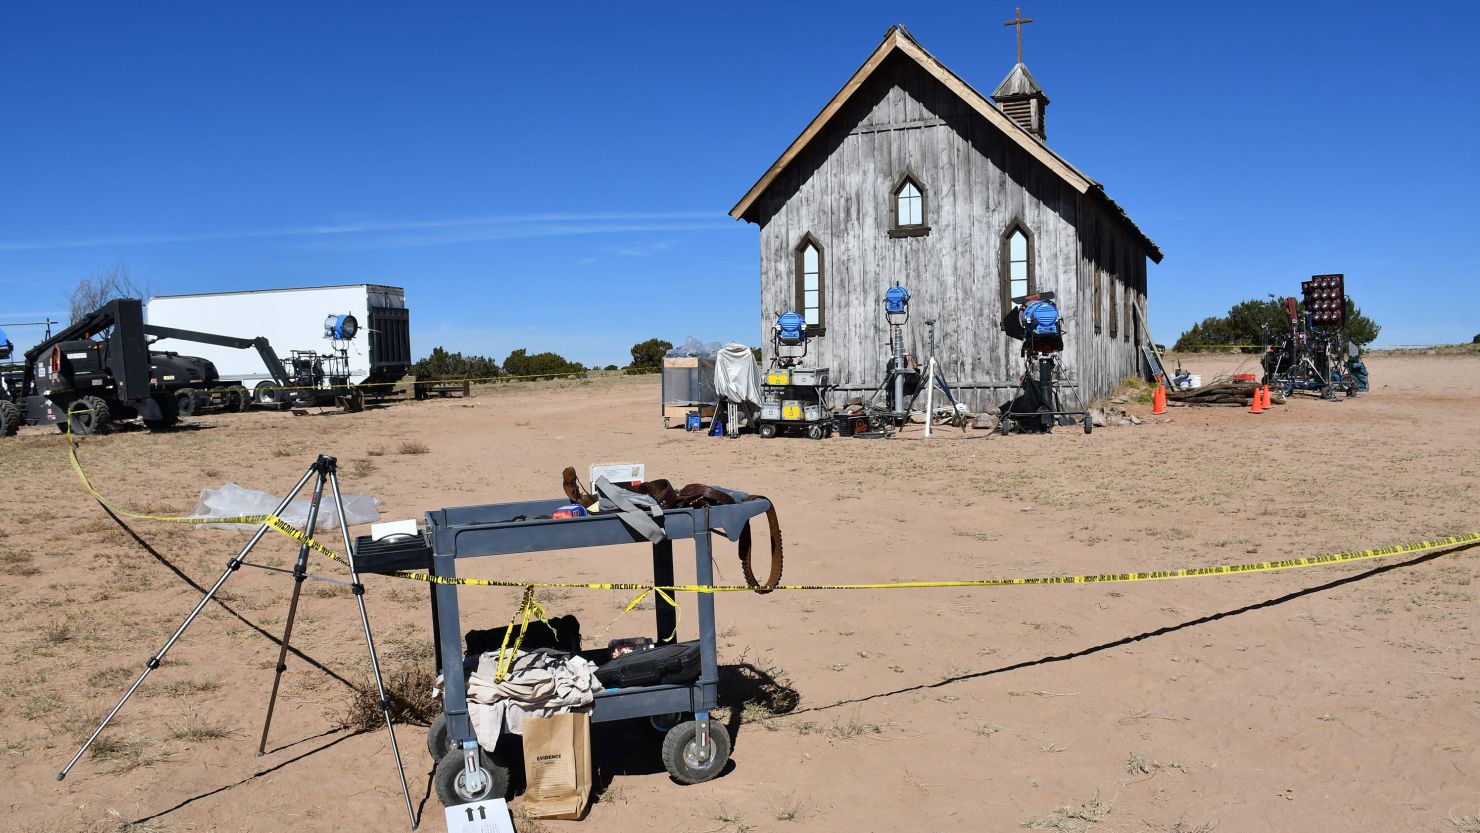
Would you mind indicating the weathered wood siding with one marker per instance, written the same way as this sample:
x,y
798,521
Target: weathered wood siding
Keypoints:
x,y
977,185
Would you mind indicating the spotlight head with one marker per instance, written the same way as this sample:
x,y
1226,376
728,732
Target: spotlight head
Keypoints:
x,y
1041,318
341,327
790,328
896,300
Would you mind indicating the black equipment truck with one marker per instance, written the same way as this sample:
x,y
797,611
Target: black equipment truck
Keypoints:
x,y
78,380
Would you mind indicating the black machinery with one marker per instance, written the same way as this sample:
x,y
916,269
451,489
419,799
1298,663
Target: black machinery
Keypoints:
x,y
793,398
100,369
1313,354
1037,405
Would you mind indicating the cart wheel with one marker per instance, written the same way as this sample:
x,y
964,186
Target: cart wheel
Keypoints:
x,y
681,755
814,432
667,423
1089,425
452,788
438,744
1328,393
766,430
665,722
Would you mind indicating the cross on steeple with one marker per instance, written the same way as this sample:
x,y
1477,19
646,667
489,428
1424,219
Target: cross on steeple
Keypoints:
x,y
1018,22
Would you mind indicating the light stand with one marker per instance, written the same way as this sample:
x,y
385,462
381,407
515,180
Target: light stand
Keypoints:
x,y
936,380
897,374
325,469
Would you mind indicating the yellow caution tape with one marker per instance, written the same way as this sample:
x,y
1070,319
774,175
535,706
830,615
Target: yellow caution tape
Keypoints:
x,y
665,590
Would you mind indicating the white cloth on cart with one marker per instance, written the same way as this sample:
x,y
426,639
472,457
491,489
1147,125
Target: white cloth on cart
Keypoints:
x,y
539,683
736,377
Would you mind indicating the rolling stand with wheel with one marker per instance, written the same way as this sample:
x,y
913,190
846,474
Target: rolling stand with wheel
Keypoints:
x,y
794,398
695,748
1036,406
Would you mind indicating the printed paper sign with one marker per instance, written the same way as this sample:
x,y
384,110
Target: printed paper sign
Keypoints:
x,y
490,816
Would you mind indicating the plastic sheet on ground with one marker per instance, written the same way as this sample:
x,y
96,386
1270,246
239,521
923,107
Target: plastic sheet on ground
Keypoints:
x,y
232,501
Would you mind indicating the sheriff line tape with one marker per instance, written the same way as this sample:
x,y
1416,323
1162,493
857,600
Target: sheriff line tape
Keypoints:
x,y
664,590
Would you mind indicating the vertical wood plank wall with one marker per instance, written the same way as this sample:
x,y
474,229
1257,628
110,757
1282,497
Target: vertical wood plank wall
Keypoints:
x,y
977,185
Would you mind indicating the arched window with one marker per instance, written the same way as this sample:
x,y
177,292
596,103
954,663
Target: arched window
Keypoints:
x,y
811,287
1017,264
909,205
911,208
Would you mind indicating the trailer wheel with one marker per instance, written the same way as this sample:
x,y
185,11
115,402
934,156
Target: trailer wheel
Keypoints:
x,y
452,788
686,762
1089,425
268,395
10,419
88,415
766,430
814,432
353,401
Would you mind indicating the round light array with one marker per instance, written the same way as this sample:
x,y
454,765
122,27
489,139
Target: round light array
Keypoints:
x,y
1325,298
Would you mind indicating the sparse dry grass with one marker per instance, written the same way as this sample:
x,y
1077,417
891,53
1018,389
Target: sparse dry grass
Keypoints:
x,y
408,687
198,729
413,447
126,755
1069,818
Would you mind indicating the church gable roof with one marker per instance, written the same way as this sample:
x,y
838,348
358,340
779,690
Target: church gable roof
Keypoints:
x,y
897,40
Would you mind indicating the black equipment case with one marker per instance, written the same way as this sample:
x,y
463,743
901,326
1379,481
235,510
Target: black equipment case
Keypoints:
x,y
664,665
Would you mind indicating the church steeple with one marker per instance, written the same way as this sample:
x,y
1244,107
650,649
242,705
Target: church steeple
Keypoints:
x,y
1019,96
1023,101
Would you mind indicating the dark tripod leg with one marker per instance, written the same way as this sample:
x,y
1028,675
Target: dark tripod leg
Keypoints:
x,y
1045,390
300,573
231,566
354,575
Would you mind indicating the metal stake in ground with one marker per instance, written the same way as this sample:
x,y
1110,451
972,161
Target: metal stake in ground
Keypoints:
x,y
300,573
231,566
359,589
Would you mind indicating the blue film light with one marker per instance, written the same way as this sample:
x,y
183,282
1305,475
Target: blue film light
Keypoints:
x,y
341,327
789,327
1041,318
896,300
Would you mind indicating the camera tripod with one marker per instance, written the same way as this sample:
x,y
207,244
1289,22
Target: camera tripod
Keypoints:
x,y
325,468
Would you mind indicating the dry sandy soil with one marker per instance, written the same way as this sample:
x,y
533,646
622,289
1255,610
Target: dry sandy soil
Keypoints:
x,y
1335,698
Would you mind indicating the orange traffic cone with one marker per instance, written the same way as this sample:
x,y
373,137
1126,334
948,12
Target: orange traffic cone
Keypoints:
x,y
1159,400
1268,403
1254,401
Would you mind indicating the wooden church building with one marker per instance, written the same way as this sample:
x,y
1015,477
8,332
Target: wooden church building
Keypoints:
x,y
909,174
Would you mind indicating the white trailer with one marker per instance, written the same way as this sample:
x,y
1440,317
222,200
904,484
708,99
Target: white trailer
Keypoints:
x,y
293,321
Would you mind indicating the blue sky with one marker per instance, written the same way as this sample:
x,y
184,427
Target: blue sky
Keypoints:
x,y
560,181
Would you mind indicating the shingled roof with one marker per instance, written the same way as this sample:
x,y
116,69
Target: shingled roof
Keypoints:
x,y
899,40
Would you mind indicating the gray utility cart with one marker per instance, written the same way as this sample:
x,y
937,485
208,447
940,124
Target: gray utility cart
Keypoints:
x,y
693,750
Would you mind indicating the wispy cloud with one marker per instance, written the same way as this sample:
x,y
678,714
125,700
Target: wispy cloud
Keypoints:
x,y
407,233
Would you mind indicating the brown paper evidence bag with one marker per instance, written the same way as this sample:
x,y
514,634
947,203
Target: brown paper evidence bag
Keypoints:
x,y
557,766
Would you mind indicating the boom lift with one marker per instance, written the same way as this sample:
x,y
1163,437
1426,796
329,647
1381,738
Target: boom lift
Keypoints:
x,y
76,380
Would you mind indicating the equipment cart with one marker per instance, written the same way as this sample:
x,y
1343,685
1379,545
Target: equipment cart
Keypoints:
x,y
694,750
795,398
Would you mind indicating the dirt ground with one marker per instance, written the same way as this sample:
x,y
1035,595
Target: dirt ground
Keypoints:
x,y
1334,698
